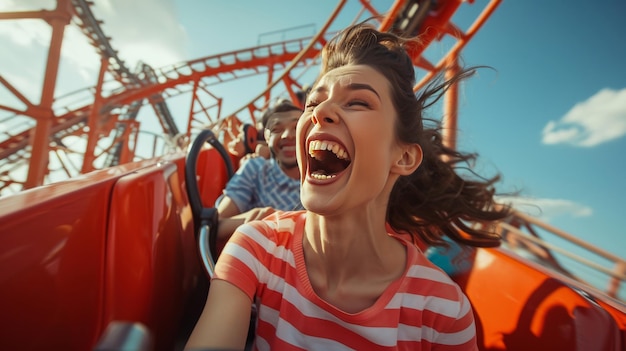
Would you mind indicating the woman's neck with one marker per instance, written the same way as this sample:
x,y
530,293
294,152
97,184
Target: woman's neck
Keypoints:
x,y
351,256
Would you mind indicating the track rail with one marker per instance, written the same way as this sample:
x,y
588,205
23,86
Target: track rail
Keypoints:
x,y
101,115
534,239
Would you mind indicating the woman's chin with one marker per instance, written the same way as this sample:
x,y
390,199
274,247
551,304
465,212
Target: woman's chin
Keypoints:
x,y
319,205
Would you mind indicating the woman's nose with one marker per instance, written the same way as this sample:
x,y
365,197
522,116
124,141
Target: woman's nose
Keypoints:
x,y
324,113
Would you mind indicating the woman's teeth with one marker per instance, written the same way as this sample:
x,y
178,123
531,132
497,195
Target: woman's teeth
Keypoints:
x,y
323,145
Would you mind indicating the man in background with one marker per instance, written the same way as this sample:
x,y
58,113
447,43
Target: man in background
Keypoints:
x,y
262,185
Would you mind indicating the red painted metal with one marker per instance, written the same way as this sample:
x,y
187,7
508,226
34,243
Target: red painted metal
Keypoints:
x,y
198,75
114,245
118,244
519,305
150,268
451,100
41,134
52,258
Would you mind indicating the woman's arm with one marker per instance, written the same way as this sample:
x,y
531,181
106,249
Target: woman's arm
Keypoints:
x,y
227,226
225,319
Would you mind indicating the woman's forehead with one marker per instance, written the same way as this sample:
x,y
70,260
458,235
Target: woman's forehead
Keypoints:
x,y
349,75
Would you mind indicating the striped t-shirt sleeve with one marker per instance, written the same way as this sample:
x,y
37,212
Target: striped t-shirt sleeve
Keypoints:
x,y
239,263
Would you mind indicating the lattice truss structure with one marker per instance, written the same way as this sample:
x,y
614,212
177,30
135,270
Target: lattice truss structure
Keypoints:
x,y
38,139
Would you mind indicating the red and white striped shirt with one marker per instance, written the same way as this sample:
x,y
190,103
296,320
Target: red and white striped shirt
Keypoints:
x,y
422,310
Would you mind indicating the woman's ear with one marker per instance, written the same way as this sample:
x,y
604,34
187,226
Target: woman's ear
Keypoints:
x,y
410,158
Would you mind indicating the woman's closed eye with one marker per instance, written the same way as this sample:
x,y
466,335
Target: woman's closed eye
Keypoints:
x,y
352,103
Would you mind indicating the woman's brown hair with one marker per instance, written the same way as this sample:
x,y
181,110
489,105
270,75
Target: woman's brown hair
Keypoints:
x,y
435,200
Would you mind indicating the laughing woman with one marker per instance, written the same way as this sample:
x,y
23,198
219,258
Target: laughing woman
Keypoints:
x,y
333,277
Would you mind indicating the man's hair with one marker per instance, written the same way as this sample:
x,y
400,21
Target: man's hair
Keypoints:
x,y
282,105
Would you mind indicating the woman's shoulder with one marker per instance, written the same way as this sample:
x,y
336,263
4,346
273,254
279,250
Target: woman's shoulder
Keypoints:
x,y
424,277
271,239
280,225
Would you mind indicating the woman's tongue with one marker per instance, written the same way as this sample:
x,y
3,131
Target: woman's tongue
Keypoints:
x,y
326,163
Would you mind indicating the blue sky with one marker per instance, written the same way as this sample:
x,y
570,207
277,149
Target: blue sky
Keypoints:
x,y
550,116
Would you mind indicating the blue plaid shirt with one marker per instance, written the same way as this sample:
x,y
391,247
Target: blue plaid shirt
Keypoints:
x,y
261,183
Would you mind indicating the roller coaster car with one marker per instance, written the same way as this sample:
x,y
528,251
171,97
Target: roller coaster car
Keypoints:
x,y
111,257
120,258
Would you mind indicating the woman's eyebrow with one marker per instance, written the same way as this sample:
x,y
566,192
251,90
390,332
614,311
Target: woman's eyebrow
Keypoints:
x,y
361,86
351,86
320,89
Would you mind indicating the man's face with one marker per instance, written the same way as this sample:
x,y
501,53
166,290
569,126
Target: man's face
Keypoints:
x,y
280,134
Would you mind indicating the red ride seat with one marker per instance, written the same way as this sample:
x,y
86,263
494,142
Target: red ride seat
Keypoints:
x,y
520,307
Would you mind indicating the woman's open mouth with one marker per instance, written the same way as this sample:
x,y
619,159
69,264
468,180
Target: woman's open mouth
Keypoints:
x,y
327,159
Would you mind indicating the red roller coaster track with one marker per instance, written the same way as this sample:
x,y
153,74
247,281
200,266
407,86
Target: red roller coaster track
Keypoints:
x,y
74,261
106,118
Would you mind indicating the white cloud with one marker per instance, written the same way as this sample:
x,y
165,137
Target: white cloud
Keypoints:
x,y
140,30
30,5
600,119
546,209
28,41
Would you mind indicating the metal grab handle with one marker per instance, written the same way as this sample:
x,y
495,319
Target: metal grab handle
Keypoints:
x,y
191,164
204,246
205,219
